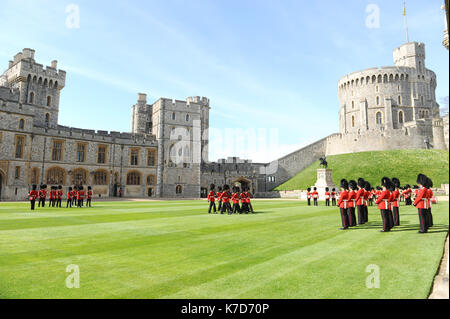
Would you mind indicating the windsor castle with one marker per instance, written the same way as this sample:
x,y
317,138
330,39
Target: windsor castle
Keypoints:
x,y
166,153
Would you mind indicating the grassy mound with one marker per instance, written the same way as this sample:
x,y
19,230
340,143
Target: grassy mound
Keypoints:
x,y
372,166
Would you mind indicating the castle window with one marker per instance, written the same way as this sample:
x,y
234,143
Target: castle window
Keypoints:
x,y
422,100
398,88
21,124
391,78
402,77
55,175
151,157
379,78
151,180
20,142
47,120
81,152
34,176
376,89
179,189
385,78
57,150
374,78
173,116
56,85
31,98
17,172
100,178
353,121
134,157
396,78
420,66
399,100
378,100
400,117
353,104
79,177
49,100
187,117
133,178
101,154
379,118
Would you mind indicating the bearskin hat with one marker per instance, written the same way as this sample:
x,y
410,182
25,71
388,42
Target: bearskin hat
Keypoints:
x,y
334,189
59,187
315,188
385,181
308,189
344,183
70,188
219,188
34,186
89,187
421,179
407,186
327,189
367,186
396,182
361,182
226,187
211,187
427,183
415,187
430,183
41,186
352,184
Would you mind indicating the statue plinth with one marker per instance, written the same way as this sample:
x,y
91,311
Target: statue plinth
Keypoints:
x,y
324,179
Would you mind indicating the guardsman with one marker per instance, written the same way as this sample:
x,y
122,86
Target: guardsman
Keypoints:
x,y
407,194
226,196
69,198
89,196
359,197
315,196
308,196
333,197
219,198
33,195
244,203
80,196
383,204
396,201
391,189
212,199
42,195
421,202
74,195
429,197
367,195
352,203
235,198
415,192
248,198
343,204
52,197
327,196
59,196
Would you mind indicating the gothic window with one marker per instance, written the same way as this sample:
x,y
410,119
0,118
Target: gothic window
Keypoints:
x,y
179,189
21,124
100,177
151,157
133,178
20,143
379,78
81,152
420,66
17,172
187,117
399,100
378,100
79,177
47,120
385,78
374,78
55,176
402,77
101,154
134,157
151,180
31,98
49,100
173,116
400,117
353,104
379,118
57,151
56,85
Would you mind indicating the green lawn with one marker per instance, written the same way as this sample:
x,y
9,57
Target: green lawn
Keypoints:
x,y
176,250
372,166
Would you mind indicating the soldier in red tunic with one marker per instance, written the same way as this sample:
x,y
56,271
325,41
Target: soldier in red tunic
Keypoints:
x,y
52,197
407,194
59,196
352,203
248,197
42,195
359,197
343,204
244,202
333,197
32,196
367,195
219,198
80,196
235,198
308,196
212,199
89,196
429,185
226,196
396,201
74,195
69,198
327,196
383,204
315,196
421,203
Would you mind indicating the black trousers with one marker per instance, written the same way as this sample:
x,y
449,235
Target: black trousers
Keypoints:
x,y
80,202
220,206
344,217
88,202
309,201
429,218
352,216
315,202
366,214
226,207
386,220
51,203
408,201
74,202
423,220
212,205
69,203
41,202
371,202
333,201
249,206
236,208
327,202
33,203
396,212
58,202
245,208
361,214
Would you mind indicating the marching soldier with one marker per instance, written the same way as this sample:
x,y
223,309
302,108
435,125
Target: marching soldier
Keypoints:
x,y
315,196
343,204
42,195
429,197
212,199
383,204
235,199
89,196
52,197
407,194
308,196
333,197
219,198
226,200
244,202
69,198
59,195
74,195
33,195
421,203
396,201
352,203
359,198
327,196
248,197
80,196
367,197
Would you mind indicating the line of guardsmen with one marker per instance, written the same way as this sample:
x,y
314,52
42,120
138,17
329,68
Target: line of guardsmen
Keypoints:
x,y
74,197
358,194
224,196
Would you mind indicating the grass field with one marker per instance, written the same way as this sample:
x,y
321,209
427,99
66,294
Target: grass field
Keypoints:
x,y
176,250
372,166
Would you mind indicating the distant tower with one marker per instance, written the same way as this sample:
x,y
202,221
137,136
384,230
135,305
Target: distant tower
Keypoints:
x,y
37,86
141,116
411,54
438,134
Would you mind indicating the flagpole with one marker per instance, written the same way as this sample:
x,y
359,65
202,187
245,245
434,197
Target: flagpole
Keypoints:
x,y
406,22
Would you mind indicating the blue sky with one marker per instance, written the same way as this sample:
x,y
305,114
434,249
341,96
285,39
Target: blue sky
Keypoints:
x,y
263,64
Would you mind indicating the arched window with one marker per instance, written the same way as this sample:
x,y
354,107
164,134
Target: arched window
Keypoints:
x,y
49,100
187,117
40,81
396,78
353,121
367,79
174,116
21,124
422,100
47,120
399,100
400,117
385,78
391,78
133,178
402,77
420,66
31,98
151,180
100,177
79,176
379,78
379,118
378,100
56,85
353,104
56,175
178,189
374,78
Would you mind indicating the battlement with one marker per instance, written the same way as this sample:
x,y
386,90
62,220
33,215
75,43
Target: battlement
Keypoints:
x,y
198,100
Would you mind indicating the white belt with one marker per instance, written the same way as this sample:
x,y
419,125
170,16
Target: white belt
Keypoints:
x,y
425,203
327,197
345,203
386,201
354,202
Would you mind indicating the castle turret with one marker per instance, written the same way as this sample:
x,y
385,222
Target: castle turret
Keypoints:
x,y
141,120
411,54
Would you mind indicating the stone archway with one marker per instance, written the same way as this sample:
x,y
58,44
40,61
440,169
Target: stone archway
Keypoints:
x,y
242,182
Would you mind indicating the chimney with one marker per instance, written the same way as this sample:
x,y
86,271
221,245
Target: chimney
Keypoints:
x,y
28,53
54,64
142,97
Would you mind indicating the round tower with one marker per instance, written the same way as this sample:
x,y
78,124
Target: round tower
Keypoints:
x,y
438,134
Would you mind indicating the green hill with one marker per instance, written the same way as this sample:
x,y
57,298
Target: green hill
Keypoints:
x,y
372,166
